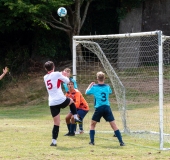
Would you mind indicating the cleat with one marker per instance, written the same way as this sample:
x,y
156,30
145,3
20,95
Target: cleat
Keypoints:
x,y
91,143
71,134
77,121
67,134
79,132
114,135
122,144
52,144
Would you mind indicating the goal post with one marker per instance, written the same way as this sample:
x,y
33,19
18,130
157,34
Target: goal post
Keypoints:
x,y
134,64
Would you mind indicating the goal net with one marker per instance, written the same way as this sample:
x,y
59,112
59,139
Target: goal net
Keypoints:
x,y
137,67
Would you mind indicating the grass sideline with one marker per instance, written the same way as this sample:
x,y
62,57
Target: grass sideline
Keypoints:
x,y
25,134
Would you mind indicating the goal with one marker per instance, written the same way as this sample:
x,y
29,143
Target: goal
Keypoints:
x,y
137,66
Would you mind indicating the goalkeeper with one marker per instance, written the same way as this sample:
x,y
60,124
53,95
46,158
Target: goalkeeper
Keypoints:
x,y
101,93
81,105
68,70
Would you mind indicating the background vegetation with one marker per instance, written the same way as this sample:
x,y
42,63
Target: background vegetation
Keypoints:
x,y
27,36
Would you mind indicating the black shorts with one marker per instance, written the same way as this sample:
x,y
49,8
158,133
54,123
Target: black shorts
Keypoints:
x,y
103,111
55,110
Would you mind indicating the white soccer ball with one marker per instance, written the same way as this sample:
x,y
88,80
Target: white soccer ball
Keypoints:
x,y
62,12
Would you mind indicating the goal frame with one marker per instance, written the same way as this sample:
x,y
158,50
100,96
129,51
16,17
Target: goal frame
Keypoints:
x,y
161,38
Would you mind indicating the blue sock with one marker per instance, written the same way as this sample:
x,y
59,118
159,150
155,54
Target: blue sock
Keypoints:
x,y
81,126
92,133
68,126
118,135
72,128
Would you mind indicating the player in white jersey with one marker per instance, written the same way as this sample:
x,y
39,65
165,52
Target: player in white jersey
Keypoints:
x,y
56,97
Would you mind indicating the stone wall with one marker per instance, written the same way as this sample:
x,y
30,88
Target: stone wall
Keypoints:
x,y
152,15
156,16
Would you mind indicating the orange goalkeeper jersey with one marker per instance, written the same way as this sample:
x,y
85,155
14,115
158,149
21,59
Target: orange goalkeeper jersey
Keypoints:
x,y
78,99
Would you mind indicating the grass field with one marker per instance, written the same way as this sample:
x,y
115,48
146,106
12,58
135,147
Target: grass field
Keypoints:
x,y
25,134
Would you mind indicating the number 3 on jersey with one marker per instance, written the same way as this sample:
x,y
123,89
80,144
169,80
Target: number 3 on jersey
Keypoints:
x,y
49,84
103,99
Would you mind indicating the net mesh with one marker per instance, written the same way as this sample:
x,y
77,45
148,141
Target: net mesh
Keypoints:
x,y
131,66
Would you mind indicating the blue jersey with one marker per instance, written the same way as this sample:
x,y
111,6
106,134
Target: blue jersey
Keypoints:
x,y
66,87
101,94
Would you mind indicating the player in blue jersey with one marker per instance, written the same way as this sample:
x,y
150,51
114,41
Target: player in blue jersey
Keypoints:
x,y
68,70
101,93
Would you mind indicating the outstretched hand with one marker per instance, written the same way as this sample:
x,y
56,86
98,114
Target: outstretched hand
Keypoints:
x,y
90,85
5,70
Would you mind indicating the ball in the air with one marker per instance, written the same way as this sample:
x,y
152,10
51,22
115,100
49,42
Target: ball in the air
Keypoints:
x,y
62,12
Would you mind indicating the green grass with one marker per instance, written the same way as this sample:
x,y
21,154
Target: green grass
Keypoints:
x,y
25,134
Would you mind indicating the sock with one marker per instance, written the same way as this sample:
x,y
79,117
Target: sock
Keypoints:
x,y
73,109
92,133
72,128
55,132
118,135
68,126
81,126
75,127
54,141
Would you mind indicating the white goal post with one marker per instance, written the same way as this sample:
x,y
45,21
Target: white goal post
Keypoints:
x,y
137,66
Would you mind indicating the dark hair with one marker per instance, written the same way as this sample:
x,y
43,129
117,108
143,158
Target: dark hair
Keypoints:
x,y
71,80
49,65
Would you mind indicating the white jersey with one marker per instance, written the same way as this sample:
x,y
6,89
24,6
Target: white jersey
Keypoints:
x,y
53,82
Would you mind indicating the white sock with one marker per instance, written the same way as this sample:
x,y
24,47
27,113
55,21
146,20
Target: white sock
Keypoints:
x,y
54,141
75,116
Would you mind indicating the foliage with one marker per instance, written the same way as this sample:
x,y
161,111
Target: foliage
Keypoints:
x,y
32,28
101,18
51,44
15,14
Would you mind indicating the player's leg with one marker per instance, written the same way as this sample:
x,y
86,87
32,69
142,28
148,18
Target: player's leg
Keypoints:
x,y
74,111
68,118
108,116
55,112
72,127
95,118
117,132
92,132
81,114
81,130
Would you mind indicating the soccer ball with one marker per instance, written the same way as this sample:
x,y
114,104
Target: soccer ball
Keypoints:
x,y
62,12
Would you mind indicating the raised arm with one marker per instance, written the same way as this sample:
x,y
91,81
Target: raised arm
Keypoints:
x,y
5,70
90,85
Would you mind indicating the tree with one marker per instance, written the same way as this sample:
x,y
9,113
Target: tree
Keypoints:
x,y
44,13
73,22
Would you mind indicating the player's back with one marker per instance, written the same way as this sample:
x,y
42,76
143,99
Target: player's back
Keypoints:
x,y
101,94
53,82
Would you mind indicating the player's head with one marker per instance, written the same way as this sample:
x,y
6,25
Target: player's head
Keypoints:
x,y
100,76
49,65
68,70
70,85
